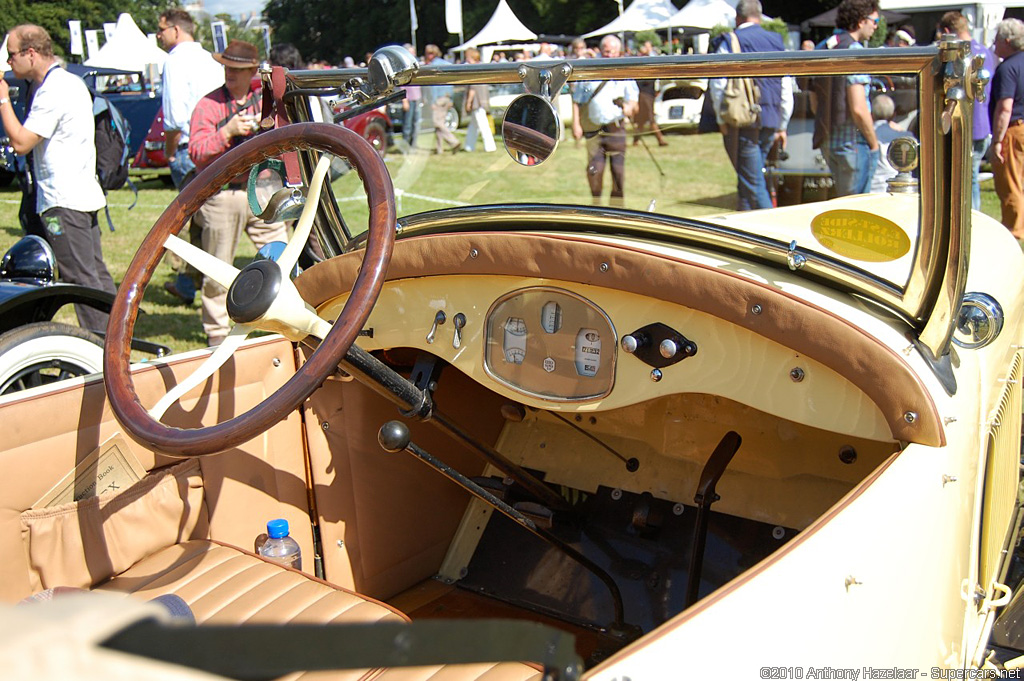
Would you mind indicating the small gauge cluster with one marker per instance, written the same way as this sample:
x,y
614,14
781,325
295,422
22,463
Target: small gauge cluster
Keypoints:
x,y
550,343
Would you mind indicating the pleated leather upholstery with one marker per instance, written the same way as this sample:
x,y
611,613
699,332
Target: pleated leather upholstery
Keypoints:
x,y
224,585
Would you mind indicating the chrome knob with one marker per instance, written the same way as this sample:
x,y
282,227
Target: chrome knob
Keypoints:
x,y
439,319
668,348
630,344
459,321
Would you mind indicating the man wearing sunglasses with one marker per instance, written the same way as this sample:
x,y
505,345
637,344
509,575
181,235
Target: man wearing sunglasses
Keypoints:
x,y
843,127
59,131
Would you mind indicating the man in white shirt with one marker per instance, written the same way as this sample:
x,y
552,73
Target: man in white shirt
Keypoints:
x,y
60,132
599,113
189,74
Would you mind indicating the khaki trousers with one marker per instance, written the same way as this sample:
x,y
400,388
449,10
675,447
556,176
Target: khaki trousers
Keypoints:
x,y
442,135
1009,180
222,219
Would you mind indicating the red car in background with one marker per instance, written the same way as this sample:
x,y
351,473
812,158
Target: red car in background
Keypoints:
x,y
374,126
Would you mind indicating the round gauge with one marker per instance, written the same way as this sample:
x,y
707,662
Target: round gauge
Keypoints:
x,y
551,317
515,355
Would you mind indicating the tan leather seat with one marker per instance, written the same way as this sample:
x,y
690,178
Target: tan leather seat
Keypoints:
x,y
224,585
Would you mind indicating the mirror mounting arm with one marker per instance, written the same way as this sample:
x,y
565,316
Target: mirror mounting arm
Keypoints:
x,y
545,80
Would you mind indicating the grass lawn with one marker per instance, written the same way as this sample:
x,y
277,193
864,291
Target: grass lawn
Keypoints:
x,y
691,176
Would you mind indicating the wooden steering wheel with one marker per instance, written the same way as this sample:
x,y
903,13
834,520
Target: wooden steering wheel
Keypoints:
x,y
278,305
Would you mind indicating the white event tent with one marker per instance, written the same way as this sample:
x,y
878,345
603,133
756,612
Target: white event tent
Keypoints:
x,y
641,15
702,15
128,49
503,27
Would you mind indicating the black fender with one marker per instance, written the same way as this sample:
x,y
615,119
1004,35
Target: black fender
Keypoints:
x,y
22,303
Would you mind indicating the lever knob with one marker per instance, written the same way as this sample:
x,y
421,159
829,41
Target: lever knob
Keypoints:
x,y
459,321
630,344
439,318
668,348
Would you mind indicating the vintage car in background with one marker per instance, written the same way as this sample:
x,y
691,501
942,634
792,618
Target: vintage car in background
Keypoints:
x,y
801,174
679,103
504,94
374,126
519,431
36,350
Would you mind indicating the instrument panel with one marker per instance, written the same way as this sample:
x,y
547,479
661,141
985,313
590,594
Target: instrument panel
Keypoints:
x,y
551,343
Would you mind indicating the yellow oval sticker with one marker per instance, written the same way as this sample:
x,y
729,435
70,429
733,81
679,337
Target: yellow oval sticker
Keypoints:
x,y
860,236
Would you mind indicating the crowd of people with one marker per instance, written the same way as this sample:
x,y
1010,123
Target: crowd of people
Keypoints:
x,y
211,103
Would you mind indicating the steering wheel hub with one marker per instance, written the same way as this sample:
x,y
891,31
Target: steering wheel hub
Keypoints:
x,y
254,291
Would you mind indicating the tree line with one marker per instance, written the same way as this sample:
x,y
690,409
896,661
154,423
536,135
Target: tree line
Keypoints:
x,y
330,30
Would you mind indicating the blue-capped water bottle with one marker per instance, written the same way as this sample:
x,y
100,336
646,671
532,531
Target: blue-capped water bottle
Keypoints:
x,y
279,547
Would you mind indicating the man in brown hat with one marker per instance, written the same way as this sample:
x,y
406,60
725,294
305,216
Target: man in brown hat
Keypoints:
x,y
222,120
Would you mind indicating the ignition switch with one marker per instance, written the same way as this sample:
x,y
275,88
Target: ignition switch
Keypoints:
x,y
658,345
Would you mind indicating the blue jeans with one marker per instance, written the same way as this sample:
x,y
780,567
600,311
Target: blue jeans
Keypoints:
x,y
411,123
978,152
747,149
181,166
852,165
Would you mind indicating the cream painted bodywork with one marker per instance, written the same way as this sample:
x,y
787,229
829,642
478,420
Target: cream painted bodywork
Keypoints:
x,y
877,579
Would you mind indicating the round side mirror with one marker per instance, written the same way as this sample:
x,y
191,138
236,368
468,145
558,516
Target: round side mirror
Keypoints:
x,y
269,198
531,129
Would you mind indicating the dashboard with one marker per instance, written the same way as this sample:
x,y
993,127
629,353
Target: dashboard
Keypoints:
x,y
574,347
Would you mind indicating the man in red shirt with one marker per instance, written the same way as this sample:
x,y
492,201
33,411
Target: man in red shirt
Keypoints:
x,y
221,120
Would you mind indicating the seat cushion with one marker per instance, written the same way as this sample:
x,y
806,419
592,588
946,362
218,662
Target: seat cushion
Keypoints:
x,y
225,585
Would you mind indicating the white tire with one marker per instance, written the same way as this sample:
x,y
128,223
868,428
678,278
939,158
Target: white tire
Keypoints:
x,y
46,352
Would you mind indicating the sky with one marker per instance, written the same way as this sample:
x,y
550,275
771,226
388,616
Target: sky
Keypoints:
x,y
233,7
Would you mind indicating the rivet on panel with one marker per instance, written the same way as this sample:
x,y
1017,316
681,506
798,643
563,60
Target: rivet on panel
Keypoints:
x,y
604,267
797,374
678,509
756,309
276,362
656,375
616,494
473,253
325,425
910,416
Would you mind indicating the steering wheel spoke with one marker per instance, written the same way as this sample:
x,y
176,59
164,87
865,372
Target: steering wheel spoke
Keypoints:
x,y
257,306
220,356
304,224
221,272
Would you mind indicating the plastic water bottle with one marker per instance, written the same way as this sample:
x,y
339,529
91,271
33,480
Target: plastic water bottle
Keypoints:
x,y
279,547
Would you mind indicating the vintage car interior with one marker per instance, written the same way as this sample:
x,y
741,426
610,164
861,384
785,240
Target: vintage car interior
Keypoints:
x,y
652,430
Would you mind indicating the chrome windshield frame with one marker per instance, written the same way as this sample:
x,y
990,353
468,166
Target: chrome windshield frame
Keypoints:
x,y
936,282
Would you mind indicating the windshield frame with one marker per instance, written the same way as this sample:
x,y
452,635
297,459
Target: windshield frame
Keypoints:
x,y
935,283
